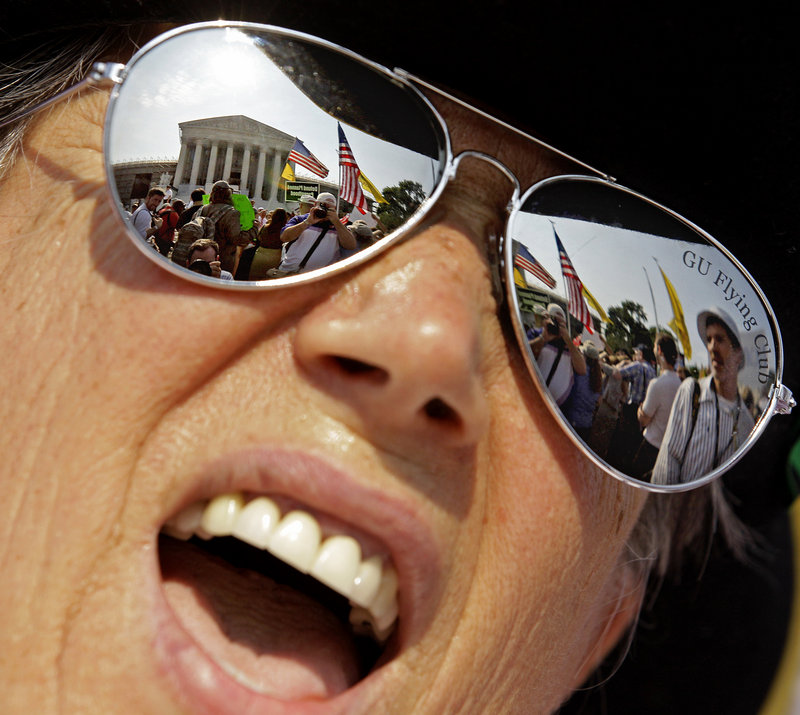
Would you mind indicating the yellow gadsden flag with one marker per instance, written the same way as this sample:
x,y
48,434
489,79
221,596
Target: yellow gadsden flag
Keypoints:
x,y
678,324
369,186
287,173
592,301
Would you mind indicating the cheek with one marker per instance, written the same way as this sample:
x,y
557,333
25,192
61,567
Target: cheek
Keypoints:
x,y
552,531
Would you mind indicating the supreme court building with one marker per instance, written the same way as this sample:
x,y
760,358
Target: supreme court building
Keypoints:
x,y
240,150
247,154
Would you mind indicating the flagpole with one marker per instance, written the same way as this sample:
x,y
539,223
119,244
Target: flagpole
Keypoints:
x,y
339,161
652,298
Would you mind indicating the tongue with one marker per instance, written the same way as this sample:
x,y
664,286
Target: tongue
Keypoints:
x,y
270,637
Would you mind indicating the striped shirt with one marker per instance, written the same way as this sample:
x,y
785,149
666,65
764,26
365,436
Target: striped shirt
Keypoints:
x,y
677,463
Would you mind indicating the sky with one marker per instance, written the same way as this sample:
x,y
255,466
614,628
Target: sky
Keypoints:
x,y
615,264
220,72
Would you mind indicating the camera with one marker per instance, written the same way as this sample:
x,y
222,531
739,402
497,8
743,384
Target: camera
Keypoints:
x,y
320,212
552,328
200,266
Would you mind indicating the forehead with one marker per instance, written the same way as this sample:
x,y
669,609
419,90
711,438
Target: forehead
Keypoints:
x,y
204,253
716,330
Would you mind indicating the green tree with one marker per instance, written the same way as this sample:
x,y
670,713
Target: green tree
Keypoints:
x,y
662,330
404,199
627,328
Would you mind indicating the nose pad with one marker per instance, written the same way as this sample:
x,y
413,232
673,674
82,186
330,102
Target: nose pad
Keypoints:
x,y
495,164
404,352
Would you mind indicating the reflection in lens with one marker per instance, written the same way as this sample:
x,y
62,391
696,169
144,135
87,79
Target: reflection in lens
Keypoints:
x,y
652,343
247,127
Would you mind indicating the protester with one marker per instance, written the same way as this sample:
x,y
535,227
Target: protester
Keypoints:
x,y
709,420
581,404
558,357
609,406
165,235
228,232
143,220
266,254
305,205
190,211
314,240
203,257
627,436
655,409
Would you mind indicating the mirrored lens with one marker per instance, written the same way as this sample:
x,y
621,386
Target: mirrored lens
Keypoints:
x,y
651,343
220,138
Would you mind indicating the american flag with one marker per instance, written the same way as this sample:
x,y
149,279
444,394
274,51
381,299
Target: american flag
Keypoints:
x,y
350,189
300,155
527,262
575,302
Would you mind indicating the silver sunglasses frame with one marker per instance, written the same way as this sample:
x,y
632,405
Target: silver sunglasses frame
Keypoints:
x,y
105,75
781,400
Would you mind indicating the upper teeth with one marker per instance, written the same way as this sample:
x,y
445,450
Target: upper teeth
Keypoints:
x,y
297,539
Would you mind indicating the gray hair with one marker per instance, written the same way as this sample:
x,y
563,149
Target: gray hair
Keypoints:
x,y
50,67
674,527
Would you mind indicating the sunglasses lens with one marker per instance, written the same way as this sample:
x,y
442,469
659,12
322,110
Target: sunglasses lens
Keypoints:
x,y
646,337
278,117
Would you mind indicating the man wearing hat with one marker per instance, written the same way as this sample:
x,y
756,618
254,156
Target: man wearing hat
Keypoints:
x,y
709,420
306,204
228,232
550,350
315,239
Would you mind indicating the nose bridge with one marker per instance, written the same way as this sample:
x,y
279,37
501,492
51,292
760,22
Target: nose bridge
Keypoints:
x,y
494,162
403,349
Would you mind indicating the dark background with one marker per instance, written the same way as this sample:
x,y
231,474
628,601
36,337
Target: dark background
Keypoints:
x,y
696,108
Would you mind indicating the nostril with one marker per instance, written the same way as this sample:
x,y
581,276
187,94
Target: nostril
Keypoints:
x,y
358,368
440,411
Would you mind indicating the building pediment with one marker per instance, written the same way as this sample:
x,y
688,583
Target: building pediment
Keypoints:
x,y
235,128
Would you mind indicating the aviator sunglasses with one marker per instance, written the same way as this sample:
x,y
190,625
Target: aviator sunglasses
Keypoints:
x,y
593,273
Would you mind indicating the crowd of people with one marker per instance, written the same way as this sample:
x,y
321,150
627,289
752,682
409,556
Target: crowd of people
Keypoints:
x,y
277,244
642,413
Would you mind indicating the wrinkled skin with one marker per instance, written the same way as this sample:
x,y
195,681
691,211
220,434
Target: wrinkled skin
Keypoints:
x,y
123,383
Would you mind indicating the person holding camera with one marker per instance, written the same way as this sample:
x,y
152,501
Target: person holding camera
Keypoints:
x,y
550,350
203,258
315,239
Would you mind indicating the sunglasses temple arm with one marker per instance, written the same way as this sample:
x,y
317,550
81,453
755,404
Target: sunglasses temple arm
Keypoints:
x,y
102,75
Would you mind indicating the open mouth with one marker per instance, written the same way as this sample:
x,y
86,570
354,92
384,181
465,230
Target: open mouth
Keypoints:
x,y
287,602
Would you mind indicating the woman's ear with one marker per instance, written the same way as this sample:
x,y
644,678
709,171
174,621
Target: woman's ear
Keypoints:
x,y
617,615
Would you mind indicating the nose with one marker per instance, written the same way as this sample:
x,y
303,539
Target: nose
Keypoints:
x,y
402,346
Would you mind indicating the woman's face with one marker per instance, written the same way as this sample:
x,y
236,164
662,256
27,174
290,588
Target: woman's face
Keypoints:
x,y
389,402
